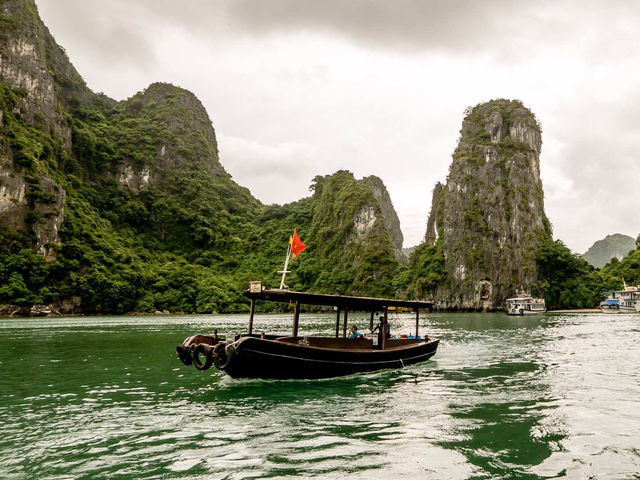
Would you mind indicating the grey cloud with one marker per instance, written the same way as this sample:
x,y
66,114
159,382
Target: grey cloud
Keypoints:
x,y
116,34
411,24
601,159
502,28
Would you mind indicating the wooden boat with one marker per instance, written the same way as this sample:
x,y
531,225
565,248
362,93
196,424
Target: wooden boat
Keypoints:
x,y
253,355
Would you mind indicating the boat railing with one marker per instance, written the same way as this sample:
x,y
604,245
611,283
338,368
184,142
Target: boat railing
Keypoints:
x,y
401,342
256,335
346,343
330,342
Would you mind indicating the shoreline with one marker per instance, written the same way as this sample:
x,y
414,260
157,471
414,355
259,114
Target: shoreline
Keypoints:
x,y
24,312
576,310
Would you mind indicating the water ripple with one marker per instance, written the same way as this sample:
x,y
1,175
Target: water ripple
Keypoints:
x,y
503,398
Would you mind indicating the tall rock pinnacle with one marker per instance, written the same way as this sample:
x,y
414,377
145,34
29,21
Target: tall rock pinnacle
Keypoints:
x,y
489,215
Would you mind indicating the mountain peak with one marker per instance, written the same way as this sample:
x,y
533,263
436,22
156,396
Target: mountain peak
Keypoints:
x,y
616,245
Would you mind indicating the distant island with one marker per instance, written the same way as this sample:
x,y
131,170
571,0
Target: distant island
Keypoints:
x,y
126,207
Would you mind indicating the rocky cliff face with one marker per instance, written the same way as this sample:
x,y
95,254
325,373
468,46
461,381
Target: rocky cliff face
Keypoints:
x,y
38,82
32,63
391,220
353,236
489,215
53,125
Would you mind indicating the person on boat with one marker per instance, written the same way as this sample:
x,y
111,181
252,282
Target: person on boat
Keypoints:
x,y
354,332
379,327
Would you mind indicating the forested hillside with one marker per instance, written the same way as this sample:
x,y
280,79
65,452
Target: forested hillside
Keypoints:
x,y
117,207
568,281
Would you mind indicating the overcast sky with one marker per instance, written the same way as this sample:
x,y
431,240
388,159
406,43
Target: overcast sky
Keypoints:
x,y
298,88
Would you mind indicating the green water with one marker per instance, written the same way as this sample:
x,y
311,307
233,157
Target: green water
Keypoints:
x,y
106,397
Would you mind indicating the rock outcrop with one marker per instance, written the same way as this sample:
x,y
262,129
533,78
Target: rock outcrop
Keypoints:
x,y
182,136
352,234
42,83
389,214
31,62
489,215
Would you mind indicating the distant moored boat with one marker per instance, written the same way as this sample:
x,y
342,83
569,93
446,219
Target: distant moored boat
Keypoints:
x,y
525,304
610,305
626,300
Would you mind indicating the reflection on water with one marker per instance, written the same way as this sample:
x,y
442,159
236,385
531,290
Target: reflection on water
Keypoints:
x,y
503,398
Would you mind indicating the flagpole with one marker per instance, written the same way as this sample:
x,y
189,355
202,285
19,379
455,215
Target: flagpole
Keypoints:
x,y
286,264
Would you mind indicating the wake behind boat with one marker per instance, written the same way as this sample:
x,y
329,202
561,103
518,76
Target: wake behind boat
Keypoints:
x,y
253,355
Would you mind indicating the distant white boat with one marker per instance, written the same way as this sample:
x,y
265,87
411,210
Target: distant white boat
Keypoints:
x,y
525,304
626,300
610,305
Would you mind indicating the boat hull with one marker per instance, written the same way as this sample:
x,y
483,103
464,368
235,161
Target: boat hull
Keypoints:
x,y
259,358
625,309
526,312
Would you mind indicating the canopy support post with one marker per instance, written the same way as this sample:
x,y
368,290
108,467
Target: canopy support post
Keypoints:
x,y
384,329
338,323
251,310
344,323
417,321
296,317
371,322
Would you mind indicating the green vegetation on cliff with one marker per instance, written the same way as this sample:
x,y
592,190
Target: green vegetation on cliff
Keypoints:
x,y
153,222
628,268
425,271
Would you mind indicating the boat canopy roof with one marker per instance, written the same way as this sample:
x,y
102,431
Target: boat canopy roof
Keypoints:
x,y
340,301
520,299
611,302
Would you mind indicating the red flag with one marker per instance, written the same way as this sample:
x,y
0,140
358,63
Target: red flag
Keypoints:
x,y
296,244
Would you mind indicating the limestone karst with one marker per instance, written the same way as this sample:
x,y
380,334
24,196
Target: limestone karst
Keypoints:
x,y
489,215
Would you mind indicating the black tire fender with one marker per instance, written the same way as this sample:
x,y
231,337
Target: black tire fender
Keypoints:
x,y
184,354
223,355
207,351
230,350
220,356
